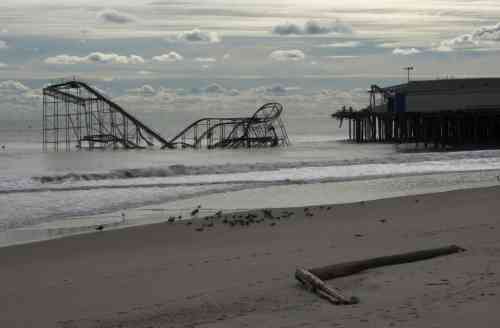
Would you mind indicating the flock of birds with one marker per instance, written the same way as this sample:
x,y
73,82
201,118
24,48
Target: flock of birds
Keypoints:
x,y
263,216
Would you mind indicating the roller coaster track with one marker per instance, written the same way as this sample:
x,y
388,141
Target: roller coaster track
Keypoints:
x,y
77,115
264,128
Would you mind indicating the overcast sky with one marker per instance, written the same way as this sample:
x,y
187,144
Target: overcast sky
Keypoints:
x,y
276,40
241,38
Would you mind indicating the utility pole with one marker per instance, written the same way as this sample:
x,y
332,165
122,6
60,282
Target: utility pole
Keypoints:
x,y
409,68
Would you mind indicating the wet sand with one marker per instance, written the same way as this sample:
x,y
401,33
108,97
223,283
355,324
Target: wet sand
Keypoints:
x,y
214,273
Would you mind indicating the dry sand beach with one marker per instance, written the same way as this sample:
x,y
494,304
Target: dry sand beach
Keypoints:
x,y
172,275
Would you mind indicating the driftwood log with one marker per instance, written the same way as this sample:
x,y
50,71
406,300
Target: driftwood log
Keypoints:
x,y
318,286
313,279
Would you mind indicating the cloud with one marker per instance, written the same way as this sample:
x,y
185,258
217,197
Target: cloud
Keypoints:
x,y
205,59
172,56
406,51
145,91
214,88
486,37
341,57
465,41
3,44
197,35
11,86
226,56
345,44
115,17
15,93
312,27
95,58
491,33
3,65
143,72
287,55
275,89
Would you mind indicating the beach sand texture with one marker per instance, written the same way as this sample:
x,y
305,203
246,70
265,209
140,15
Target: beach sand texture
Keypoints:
x,y
242,275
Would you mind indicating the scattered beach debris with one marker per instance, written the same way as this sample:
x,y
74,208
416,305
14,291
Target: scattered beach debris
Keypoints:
x,y
171,219
99,227
268,214
313,279
199,229
383,220
196,210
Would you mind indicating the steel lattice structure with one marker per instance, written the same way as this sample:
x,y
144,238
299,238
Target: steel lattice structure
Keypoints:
x,y
75,115
263,129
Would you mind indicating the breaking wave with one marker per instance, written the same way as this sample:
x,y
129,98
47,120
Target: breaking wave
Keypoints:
x,y
186,170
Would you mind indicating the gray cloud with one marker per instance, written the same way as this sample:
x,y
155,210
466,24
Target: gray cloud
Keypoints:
x,y
3,44
11,86
483,37
16,93
197,35
2,65
115,17
460,42
95,58
172,56
312,27
491,33
287,55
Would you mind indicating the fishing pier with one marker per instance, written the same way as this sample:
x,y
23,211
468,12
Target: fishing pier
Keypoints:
x,y
439,114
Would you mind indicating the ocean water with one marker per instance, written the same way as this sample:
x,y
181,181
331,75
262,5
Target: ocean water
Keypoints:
x,y
72,192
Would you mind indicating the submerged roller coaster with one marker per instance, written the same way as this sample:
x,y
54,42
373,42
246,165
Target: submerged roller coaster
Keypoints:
x,y
77,116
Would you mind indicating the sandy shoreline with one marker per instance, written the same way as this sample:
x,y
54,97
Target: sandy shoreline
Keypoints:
x,y
171,275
